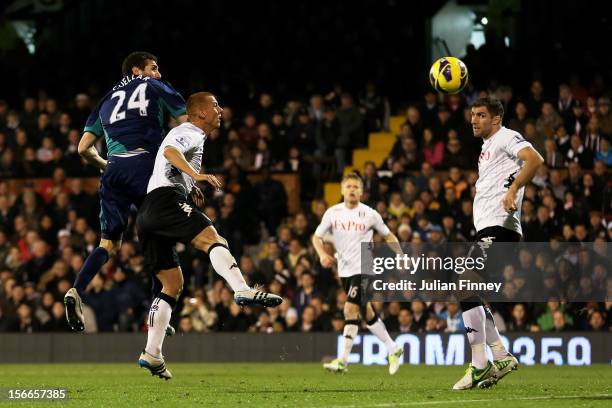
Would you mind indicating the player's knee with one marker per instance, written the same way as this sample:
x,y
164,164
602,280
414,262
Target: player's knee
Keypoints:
x,y
369,314
207,238
112,247
179,285
173,288
175,291
351,311
172,281
203,240
218,240
222,240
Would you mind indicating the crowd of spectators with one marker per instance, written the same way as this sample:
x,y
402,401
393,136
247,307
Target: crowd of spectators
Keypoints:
x,y
313,137
424,191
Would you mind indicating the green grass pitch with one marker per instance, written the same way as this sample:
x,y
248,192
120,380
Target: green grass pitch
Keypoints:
x,y
307,385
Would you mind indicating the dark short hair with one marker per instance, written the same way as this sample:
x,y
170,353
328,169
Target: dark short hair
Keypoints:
x,y
136,59
493,105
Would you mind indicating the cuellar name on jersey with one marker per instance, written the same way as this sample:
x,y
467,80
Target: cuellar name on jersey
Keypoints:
x,y
126,80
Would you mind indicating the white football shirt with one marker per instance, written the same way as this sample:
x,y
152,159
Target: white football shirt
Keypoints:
x,y
349,228
188,139
498,166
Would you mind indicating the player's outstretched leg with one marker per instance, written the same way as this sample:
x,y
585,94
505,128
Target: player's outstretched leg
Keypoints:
x,y
480,369
160,313
73,306
225,265
377,327
72,299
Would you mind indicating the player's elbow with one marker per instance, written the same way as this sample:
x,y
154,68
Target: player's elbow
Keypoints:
x,y
532,157
169,152
391,238
87,140
82,149
537,159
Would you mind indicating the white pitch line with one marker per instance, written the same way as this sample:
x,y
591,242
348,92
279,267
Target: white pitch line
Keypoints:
x,y
420,403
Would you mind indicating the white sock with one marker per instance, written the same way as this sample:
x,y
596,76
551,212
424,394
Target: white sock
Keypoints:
x,y
492,337
350,331
379,330
474,321
159,318
226,266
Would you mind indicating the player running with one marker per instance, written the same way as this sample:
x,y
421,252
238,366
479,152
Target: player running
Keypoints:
x,y
171,212
352,223
131,118
507,163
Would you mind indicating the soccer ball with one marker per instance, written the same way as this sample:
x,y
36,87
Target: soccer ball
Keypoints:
x,y
448,75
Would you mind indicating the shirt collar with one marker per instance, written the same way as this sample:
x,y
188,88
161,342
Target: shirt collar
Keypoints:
x,y
193,127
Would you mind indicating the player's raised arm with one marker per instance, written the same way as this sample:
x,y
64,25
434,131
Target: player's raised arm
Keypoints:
x,y
532,160
88,151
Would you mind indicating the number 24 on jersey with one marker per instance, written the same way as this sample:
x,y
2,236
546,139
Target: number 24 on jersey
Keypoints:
x,y
138,100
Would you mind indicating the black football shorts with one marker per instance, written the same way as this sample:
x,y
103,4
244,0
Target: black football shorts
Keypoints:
x,y
166,217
